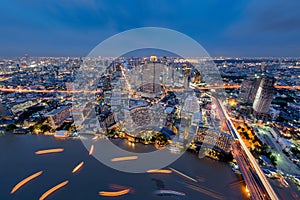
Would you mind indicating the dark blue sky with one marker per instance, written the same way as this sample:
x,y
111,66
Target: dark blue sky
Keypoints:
x,y
223,28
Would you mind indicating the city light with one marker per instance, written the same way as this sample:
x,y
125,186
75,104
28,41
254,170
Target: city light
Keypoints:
x,y
148,100
235,131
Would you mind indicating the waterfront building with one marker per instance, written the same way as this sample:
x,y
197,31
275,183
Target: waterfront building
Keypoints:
x,y
214,138
56,117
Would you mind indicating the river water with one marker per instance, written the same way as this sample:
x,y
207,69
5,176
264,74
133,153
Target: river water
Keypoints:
x,y
18,160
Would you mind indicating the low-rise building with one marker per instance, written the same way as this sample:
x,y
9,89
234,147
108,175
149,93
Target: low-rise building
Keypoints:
x,y
56,117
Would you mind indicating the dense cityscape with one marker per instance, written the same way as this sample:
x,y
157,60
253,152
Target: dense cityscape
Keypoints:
x,y
256,123
151,100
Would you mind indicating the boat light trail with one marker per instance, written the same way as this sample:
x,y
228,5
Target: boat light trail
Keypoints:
x,y
91,150
182,174
124,158
58,150
78,167
114,194
162,171
95,137
50,191
169,193
24,181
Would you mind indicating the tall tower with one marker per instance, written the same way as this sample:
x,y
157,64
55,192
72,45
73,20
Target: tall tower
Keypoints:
x,y
263,68
249,89
264,95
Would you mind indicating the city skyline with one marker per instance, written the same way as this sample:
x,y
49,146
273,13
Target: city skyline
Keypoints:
x,y
162,107
144,99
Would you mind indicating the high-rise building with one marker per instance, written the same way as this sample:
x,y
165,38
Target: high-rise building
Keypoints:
x,y
249,89
255,85
263,68
106,120
264,95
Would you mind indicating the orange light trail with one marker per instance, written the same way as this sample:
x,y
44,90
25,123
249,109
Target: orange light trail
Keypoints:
x,y
114,194
296,87
24,181
246,189
58,150
124,158
47,91
116,187
91,150
50,191
163,171
78,167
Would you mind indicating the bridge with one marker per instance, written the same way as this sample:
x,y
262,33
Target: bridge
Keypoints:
x,y
256,181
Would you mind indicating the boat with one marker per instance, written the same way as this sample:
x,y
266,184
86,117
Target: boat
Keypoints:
x,y
61,134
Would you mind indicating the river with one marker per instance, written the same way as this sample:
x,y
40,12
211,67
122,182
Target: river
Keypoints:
x,y
18,160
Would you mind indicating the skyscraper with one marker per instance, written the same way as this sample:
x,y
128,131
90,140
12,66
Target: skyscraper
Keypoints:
x,y
264,95
249,89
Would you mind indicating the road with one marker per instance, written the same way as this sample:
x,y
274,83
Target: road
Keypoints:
x,y
255,186
26,90
283,161
255,179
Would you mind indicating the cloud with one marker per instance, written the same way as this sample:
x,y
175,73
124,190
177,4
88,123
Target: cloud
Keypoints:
x,y
280,16
268,17
233,27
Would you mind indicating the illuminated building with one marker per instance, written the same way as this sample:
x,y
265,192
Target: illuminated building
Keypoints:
x,y
215,138
106,120
264,96
22,105
248,90
153,58
56,117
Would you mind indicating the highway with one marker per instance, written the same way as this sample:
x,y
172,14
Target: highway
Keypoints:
x,y
254,177
255,186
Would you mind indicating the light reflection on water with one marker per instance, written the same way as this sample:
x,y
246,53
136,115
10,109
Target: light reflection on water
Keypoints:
x,y
18,159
